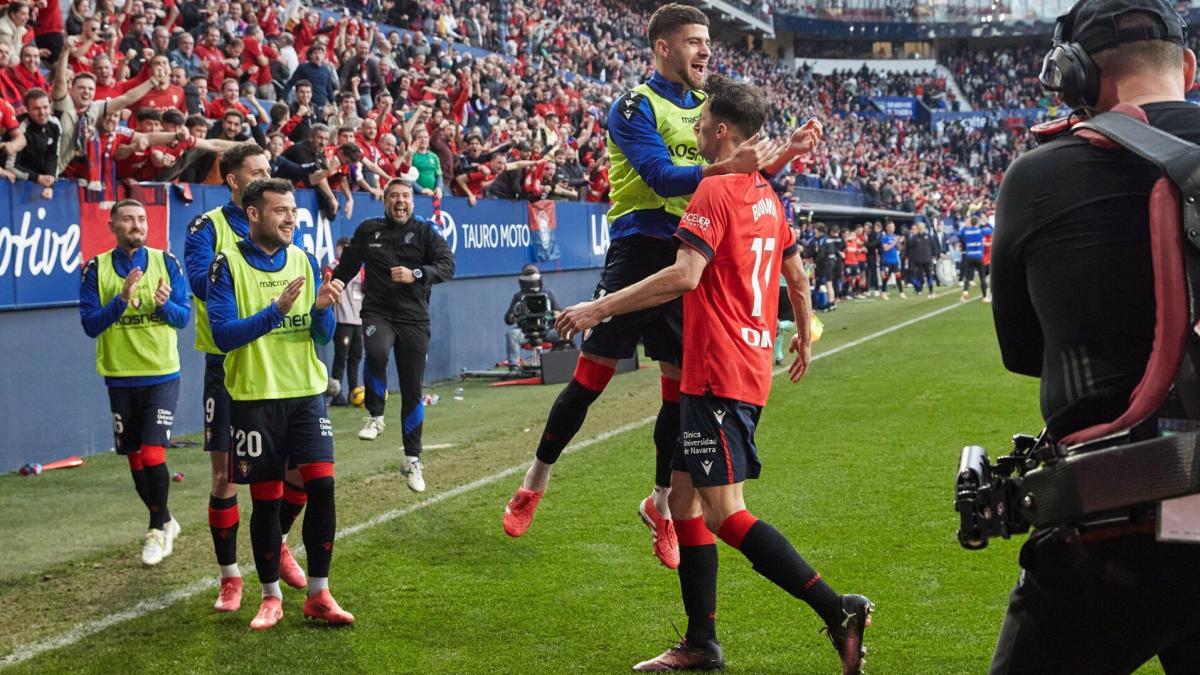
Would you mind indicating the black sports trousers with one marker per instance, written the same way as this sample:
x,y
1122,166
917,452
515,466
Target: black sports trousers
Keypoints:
x,y
1102,607
408,344
347,353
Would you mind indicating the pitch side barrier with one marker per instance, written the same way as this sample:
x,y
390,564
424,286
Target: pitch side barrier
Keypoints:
x,y
54,403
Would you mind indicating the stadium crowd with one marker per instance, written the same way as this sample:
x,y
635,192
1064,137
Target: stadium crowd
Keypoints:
x,y
342,102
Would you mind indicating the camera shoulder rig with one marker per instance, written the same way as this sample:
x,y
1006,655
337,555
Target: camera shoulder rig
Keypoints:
x,y
1089,471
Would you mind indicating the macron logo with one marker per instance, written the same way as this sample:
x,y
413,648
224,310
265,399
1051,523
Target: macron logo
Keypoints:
x,y
707,466
764,207
720,415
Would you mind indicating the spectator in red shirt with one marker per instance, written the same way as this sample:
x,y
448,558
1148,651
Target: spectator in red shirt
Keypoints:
x,y
107,85
9,90
382,114
133,165
367,137
256,62
230,91
390,156
48,28
91,43
598,185
27,74
209,49
166,94
13,139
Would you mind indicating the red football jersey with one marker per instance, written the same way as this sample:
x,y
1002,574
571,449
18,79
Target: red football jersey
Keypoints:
x,y
737,223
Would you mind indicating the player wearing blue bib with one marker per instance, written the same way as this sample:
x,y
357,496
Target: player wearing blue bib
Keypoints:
x,y
132,301
971,240
267,307
889,259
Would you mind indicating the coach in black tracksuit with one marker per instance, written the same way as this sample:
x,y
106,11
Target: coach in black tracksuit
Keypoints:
x,y
404,256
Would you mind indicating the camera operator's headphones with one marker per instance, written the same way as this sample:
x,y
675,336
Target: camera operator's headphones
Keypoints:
x,y
530,279
1068,70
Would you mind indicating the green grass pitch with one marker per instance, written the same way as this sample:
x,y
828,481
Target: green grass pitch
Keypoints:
x,y
858,473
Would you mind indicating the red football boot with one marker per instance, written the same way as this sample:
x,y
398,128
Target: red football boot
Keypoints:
x,y
518,514
269,613
666,546
230,597
322,606
289,569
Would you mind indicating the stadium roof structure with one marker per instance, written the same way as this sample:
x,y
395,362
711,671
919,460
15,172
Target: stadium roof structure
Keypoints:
x,y
741,15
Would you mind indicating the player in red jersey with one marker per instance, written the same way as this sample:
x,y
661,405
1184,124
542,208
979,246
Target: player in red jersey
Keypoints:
x,y
734,242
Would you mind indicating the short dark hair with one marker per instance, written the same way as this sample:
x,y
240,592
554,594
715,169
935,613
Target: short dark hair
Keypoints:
x,y
149,114
352,152
303,83
253,195
741,104
279,113
397,181
234,112
33,95
120,204
196,121
1141,57
85,75
173,116
233,158
671,17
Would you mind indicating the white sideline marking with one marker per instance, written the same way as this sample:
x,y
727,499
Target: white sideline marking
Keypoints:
x,y
86,629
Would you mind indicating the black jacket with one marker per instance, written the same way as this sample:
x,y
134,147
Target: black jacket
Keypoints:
x,y
1073,274
381,244
921,248
40,155
370,79
873,246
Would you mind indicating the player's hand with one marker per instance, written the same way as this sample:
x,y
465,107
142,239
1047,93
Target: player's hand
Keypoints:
x,y
402,275
329,293
131,284
162,293
289,295
803,351
754,154
804,139
577,319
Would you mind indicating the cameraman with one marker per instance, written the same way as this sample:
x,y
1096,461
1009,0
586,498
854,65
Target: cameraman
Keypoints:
x,y
518,313
1074,305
